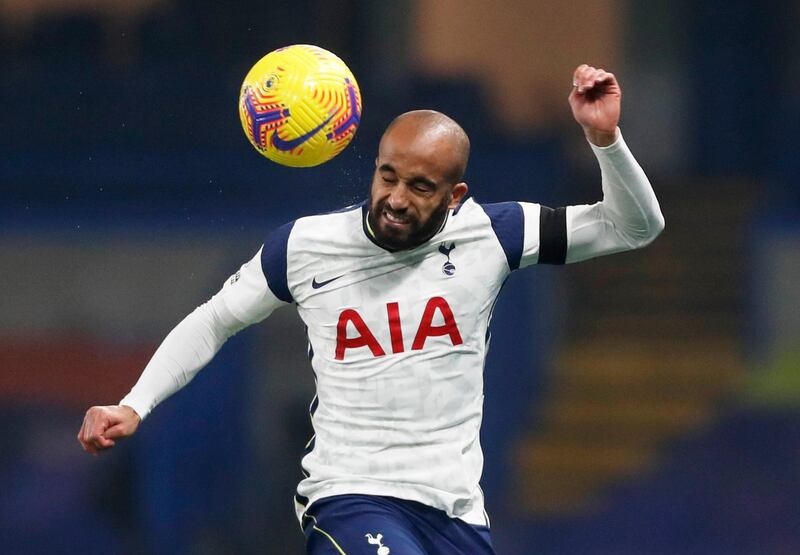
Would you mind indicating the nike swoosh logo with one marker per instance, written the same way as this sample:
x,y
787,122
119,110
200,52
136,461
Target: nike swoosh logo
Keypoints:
x,y
317,284
291,144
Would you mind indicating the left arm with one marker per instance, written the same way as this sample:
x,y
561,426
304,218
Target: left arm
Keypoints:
x,y
628,217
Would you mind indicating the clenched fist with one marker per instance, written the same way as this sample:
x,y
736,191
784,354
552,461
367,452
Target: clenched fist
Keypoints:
x,y
595,102
102,425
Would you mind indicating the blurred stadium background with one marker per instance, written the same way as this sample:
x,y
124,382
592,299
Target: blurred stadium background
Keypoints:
x,y
644,403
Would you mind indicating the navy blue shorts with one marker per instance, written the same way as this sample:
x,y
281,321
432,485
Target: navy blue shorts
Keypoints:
x,y
373,525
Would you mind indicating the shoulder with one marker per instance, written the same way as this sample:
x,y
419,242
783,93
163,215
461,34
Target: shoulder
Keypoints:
x,y
321,224
307,232
325,224
507,223
529,233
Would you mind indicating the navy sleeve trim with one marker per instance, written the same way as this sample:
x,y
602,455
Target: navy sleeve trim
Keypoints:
x,y
508,224
273,262
552,235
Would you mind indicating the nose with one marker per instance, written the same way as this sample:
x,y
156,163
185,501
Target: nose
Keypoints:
x,y
398,198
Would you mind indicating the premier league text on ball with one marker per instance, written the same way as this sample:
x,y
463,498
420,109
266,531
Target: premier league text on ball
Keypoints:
x,y
300,105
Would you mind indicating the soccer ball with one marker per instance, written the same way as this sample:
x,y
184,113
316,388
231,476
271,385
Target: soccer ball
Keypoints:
x,y
300,105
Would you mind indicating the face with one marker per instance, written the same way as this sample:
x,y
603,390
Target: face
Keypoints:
x,y
411,188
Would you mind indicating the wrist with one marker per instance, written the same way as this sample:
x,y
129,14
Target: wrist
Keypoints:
x,y
601,138
132,411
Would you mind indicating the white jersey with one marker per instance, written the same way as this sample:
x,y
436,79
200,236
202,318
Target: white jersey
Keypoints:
x,y
398,340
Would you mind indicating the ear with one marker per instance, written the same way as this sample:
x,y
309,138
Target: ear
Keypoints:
x,y
459,192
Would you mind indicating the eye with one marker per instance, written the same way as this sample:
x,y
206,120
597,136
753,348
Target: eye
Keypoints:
x,y
422,187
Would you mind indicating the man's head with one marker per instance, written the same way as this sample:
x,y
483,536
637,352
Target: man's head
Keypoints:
x,y
421,161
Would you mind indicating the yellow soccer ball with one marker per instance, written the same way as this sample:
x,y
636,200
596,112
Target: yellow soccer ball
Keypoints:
x,y
300,105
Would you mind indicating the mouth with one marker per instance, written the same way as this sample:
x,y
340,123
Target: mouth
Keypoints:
x,y
395,220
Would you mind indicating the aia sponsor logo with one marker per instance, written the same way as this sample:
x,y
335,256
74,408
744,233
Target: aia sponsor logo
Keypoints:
x,y
364,337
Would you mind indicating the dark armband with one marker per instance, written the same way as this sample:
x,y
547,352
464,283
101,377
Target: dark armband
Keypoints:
x,y
552,235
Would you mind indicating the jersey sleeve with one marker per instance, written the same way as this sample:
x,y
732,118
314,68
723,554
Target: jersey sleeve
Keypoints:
x,y
628,217
246,295
529,233
245,298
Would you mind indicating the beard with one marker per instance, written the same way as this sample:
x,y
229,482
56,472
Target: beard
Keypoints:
x,y
413,234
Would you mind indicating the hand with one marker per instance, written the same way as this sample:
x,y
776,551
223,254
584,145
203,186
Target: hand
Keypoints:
x,y
102,425
595,102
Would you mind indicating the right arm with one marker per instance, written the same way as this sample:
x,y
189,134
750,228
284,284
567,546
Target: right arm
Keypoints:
x,y
245,299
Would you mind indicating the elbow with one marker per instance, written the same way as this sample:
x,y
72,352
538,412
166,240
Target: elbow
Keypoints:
x,y
659,225
654,228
